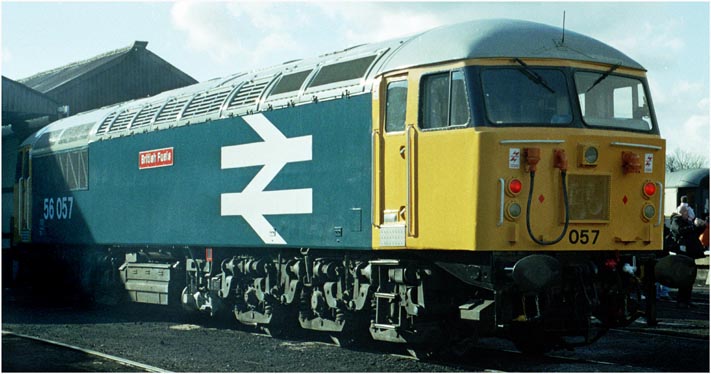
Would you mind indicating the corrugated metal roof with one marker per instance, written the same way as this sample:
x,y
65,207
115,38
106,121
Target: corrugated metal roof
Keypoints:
x,y
50,79
24,101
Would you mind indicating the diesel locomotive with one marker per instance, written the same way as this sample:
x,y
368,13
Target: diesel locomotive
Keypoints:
x,y
489,178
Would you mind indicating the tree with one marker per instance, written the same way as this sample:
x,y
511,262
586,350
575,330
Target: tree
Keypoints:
x,y
682,160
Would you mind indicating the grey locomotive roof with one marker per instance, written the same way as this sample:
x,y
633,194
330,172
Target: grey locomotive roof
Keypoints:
x,y
504,38
246,93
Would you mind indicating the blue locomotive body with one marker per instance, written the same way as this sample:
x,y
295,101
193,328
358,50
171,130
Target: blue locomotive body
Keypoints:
x,y
323,194
379,189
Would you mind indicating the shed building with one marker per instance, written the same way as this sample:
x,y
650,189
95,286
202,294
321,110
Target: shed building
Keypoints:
x,y
124,74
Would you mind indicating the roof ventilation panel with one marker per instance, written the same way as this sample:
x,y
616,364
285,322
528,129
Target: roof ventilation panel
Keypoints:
x,y
171,110
249,93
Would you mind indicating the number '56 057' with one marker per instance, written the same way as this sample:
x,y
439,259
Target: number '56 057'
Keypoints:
x,y
58,208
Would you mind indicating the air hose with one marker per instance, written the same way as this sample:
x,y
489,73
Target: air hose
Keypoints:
x,y
563,173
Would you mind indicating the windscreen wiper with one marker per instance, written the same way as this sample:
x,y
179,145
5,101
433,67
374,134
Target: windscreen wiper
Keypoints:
x,y
532,75
603,76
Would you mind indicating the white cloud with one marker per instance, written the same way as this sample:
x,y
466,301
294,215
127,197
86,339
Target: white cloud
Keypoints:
x,y
644,42
242,36
382,21
208,30
687,127
659,94
271,17
276,44
687,88
695,132
6,55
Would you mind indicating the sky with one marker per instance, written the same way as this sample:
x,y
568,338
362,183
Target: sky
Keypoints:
x,y
216,39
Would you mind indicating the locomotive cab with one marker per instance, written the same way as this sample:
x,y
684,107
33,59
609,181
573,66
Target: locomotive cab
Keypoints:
x,y
455,145
537,180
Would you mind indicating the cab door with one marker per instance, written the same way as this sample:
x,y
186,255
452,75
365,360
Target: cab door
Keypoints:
x,y
23,196
445,161
392,155
425,152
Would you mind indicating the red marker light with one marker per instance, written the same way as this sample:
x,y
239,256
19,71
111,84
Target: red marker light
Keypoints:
x,y
515,186
650,189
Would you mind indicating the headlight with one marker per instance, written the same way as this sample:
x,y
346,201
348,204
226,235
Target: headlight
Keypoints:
x,y
513,210
588,155
591,155
648,211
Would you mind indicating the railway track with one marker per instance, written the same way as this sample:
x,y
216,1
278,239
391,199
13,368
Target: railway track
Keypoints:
x,y
129,364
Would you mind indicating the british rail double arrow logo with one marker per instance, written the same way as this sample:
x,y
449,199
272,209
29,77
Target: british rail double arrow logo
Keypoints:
x,y
274,153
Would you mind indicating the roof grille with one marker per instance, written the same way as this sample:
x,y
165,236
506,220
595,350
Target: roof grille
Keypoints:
x,y
249,93
107,121
171,110
123,120
144,118
207,102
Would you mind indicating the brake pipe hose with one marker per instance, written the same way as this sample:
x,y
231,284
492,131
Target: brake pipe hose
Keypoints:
x,y
565,202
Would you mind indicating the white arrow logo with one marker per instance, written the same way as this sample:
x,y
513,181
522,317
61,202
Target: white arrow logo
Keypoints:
x,y
274,153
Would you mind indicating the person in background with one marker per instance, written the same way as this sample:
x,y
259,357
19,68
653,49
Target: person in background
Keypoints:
x,y
685,203
686,234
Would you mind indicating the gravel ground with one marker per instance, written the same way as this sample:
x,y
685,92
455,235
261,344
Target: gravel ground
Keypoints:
x,y
172,342
200,345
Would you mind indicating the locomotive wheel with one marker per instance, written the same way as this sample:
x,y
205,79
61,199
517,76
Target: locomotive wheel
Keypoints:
x,y
350,339
424,352
355,332
283,324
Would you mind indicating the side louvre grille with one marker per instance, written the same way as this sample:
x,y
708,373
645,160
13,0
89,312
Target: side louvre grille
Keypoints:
x,y
207,102
144,118
105,125
249,93
171,110
123,120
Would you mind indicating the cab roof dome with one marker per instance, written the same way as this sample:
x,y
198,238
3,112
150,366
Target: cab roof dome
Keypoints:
x,y
503,38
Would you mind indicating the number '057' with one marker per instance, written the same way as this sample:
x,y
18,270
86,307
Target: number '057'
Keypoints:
x,y
58,208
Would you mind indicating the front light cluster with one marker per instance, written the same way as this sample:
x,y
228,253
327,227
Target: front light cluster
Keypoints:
x,y
513,210
648,212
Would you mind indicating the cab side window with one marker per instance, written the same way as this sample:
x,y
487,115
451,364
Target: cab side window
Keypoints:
x,y
444,100
396,106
